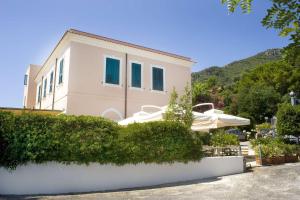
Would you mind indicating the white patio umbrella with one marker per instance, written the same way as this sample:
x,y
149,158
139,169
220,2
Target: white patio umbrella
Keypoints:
x,y
214,118
143,116
210,119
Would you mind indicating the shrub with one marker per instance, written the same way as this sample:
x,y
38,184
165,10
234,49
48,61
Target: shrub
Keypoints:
x,y
270,150
260,141
205,137
290,149
271,147
40,138
263,126
159,142
288,120
83,139
6,128
221,139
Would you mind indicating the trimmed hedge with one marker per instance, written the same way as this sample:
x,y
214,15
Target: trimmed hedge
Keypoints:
x,y
84,139
159,142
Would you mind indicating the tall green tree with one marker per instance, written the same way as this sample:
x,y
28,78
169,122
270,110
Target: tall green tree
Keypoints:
x,y
284,16
288,120
262,89
259,101
180,107
280,75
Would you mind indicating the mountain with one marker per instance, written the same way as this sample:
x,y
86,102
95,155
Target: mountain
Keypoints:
x,y
228,74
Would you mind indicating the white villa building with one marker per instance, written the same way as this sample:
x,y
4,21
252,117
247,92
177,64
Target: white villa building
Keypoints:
x,y
87,74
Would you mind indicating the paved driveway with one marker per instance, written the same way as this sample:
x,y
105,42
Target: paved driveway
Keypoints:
x,y
274,182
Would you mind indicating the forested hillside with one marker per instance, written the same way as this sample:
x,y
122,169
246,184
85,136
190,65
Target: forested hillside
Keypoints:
x,y
253,87
228,74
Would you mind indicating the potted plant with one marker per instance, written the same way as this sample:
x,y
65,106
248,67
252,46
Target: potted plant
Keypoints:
x,y
269,151
291,153
262,153
276,154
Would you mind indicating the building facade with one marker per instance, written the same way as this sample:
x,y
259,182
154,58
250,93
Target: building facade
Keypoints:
x,y
87,74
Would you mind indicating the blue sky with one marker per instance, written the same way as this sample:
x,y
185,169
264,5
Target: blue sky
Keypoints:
x,y
200,29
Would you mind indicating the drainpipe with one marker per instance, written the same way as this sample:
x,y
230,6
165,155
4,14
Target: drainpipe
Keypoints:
x,y
125,103
54,84
41,94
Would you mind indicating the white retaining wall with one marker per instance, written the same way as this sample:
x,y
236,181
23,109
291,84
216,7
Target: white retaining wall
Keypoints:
x,y
55,178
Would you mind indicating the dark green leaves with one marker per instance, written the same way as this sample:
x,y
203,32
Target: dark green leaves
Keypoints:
x,y
288,120
83,139
233,4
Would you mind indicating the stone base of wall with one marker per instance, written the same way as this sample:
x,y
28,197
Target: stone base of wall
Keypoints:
x,y
56,178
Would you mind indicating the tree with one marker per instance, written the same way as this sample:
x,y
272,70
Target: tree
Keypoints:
x,y
208,91
279,75
201,93
180,108
284,16
233,4
288,120
185,104
259,101
172,113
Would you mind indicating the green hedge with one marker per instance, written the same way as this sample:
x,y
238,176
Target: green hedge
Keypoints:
x,y
288,120
83,139
159,142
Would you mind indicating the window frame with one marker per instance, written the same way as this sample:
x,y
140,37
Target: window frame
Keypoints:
x,y
164,78
61,74
51,83
104,71
39,93
142,75
26,79
44,90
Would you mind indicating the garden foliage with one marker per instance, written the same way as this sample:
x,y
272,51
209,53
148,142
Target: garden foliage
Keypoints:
x,y
84,139
221,139
272,147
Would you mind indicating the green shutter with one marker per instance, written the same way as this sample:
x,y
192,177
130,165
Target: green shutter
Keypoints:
x,y
45,88
51,82
157,79
39,93
112,71
136,73
61,71
25,79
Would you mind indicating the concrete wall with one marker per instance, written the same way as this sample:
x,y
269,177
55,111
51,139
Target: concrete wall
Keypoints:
x,y
54,178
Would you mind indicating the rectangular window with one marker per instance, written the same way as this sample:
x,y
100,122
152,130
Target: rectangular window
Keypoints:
x,y
39,93
25,79
136,75
61,71
51,82
112,71
45,88
157,79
